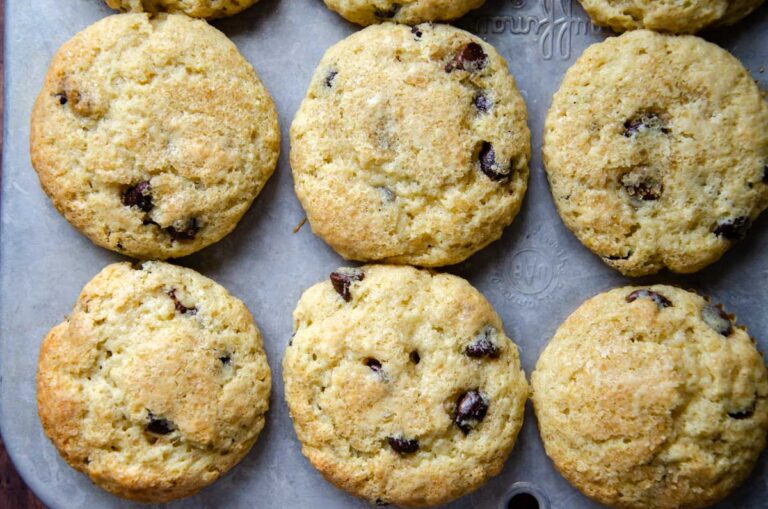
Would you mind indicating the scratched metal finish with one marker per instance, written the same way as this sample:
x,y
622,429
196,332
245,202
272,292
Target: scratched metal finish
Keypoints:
x,y
535,275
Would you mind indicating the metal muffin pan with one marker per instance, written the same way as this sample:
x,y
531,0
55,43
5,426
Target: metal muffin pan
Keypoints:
x,y
535,276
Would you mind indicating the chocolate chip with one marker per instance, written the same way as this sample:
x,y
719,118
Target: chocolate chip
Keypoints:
x,y
643,183
484,344
226,359
329,77
645,121
733,229
138,196
470,410
342,279
482,103
488,160
415,357
387,13
470,58
183,229
181,308
374,364
81,100
403,445
717,319
661,301
381,503
488,164
416,32
745,413
632,127
158,425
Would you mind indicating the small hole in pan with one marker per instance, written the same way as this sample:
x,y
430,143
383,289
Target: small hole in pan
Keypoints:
x,y
523,500
524,495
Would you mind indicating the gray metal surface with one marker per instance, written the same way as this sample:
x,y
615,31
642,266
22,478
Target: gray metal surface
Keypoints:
x,y
535,276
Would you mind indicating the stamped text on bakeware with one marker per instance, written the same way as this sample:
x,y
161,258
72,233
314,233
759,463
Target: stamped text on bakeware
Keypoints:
x,y
553,27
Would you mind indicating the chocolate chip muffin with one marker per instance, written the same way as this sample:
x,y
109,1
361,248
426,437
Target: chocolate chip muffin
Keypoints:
x,y
667,16
156,385
656,149
402,385
411,145
195,8
152,136
652,398
410,12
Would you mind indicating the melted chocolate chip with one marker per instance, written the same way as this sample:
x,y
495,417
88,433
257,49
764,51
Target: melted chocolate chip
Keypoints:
x,y
387,13
374,364
717,319
643,122
181,308
470,58
484,344
329,77
643,183
403,445
482,103
745,413
488,160
139,196
415,357
416,32
62,97
158,425
661,301
183,230
342,279
488,164
733,229
470,410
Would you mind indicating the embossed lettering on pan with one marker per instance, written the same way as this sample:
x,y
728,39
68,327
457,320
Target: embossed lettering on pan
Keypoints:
x,y
553,28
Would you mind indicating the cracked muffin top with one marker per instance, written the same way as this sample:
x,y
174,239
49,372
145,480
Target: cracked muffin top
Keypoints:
x,y
402,385
152,136
656,150
411,145
652,398
156,385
